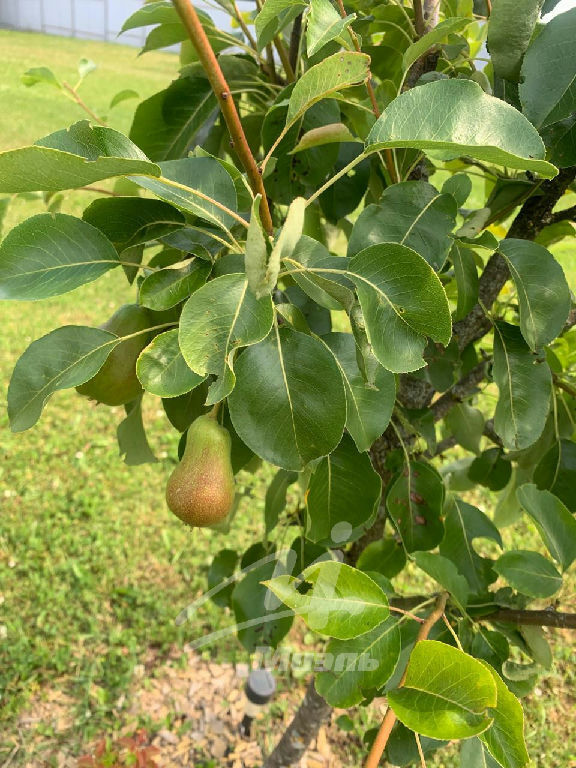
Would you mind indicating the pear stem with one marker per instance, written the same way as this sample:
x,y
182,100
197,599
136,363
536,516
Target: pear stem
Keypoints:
x,y
213,414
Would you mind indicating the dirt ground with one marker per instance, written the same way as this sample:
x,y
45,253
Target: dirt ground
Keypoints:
x,y
204,704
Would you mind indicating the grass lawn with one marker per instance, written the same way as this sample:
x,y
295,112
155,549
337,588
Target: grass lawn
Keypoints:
x,y
93,567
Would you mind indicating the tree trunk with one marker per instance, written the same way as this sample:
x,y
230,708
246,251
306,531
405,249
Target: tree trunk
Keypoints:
x,y
302,730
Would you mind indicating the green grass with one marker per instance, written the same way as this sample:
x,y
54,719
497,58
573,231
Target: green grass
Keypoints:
x,y
93,568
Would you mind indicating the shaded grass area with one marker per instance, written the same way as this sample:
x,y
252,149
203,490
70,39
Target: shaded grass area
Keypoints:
x,y
93,568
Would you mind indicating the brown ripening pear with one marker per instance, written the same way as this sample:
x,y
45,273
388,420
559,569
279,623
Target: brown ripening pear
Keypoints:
x,y
116,382
200,491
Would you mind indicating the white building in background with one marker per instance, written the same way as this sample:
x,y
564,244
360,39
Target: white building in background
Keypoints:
x,y
90,19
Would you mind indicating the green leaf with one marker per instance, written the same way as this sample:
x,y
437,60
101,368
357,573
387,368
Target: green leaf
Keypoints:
x,y
334,133
452,107
386,556
343,496
543,293
40,75
525,383
167,287
491,469
473,754
165,124
222,568
505,737
463,524
267,622
162,370
85,67
275,500
459,186
159,12
556,472
274,16
403,301
332,74
509,34
324,24
360,665
132,442
467,425
124,95
70,159
339,601
412,213
129,221
262,271
181,411
445,573
187,184
257,251
287,239
402,749
466,276
51,254
333,291
560,139
295,376
218,319
369,408
547,90
555,524
62,359
440,32
446,693
529,573
414,502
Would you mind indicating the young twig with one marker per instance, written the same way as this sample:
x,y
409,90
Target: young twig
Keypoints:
x,y
75,97
388,154
419,18
221,89
383,734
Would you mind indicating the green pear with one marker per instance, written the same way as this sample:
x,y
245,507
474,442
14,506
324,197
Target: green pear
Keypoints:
x,y
200,491
116,382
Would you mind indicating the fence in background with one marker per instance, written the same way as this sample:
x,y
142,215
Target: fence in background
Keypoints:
x,y
91,19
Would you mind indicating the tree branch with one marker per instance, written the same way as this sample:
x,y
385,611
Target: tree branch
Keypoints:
x,y
535,214
221,89
418,18
295,42
568,214
383,734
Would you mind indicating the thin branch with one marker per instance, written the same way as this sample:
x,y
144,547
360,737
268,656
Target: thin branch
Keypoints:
x,y
419,18
99,190
284,58
565,385
546,618
549,617
388,154
568,214
295,38
243,25
221,89
383,734
74,94
271,65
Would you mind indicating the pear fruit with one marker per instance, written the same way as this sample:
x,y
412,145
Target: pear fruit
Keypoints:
x,y
200,491
116,382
